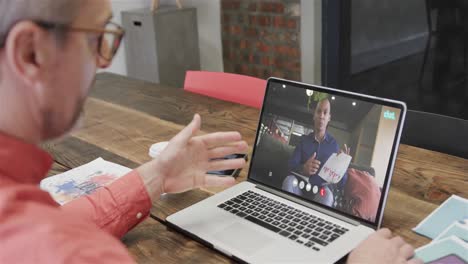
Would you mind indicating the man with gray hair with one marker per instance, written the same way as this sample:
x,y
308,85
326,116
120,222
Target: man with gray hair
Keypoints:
x,y
49,53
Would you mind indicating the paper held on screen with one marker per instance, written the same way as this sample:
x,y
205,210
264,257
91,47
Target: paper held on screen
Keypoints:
x,y
335,167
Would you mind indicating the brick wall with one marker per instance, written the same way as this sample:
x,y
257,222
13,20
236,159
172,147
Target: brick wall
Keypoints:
x,y
262,38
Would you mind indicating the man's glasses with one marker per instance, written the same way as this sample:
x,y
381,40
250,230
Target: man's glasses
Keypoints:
x,y
109,39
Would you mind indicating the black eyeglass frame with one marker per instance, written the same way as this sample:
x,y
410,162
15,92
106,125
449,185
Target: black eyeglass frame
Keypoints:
x,y
119,34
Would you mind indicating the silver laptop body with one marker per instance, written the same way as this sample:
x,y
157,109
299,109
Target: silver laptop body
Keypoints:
x,y
252,221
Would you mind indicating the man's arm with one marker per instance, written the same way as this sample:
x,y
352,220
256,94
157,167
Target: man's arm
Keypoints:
x,y
182,166
115,208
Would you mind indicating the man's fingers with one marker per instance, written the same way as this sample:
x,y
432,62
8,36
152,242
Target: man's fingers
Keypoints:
x,y
398,241
407,251
415,261
235,148
313,166
313,162
191,129
220,138
345,150
384,232
218,181
229,164
312,158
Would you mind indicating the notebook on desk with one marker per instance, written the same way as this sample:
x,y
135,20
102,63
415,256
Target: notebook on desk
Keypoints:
x,y
296,210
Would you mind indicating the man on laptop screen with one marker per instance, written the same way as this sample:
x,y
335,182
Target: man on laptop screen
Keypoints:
x,y
349,178
309,156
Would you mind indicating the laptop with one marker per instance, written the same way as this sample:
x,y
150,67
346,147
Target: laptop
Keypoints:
x,y
287,212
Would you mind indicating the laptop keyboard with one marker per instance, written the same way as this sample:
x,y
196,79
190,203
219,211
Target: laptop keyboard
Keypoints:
x,y
299,226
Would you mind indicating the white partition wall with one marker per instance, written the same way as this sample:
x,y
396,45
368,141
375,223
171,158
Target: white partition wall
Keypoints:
x,y
118,65
209,28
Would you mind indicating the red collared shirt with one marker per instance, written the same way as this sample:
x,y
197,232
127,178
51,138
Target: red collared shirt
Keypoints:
x,y
35,229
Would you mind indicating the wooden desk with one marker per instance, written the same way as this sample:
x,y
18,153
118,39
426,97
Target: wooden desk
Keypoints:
x,y
124,117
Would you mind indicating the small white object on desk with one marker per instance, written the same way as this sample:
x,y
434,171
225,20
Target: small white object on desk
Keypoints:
x,y
157,148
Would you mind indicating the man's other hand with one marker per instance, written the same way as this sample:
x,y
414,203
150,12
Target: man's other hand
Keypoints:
x,y
184,163
311,166
382,248
345,150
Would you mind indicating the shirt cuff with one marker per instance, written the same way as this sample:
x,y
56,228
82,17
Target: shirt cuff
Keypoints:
x,y
115,208
131,200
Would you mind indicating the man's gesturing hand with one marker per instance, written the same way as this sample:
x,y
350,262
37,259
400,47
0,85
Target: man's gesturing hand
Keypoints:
x,y
381,247
184,163
345,150
311,166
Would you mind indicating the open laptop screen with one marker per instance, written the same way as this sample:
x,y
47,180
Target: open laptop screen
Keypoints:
x,y
325,146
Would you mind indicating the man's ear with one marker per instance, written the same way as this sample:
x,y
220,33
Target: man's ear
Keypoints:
x,y
26,51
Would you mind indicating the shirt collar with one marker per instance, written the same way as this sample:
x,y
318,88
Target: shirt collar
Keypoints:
x,y
22,162
327,137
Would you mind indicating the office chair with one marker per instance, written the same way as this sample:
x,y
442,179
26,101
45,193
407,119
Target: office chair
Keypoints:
x,y
230,87
436,132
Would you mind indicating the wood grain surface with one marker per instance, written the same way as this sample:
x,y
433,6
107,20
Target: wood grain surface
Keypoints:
x,y
124,117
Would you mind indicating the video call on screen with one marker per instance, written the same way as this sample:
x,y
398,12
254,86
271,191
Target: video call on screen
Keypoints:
x,y
326,148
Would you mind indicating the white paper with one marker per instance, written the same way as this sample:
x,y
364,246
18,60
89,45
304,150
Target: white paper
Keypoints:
x,y
455,208
82,180
458,229
448,246
335,167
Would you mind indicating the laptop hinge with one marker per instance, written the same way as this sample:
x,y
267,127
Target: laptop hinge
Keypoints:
x,y
306,204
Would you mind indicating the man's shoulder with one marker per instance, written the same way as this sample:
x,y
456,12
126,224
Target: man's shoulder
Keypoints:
x,y
51,234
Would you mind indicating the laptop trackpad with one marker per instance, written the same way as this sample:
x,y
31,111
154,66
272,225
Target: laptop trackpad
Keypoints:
x,y
243,238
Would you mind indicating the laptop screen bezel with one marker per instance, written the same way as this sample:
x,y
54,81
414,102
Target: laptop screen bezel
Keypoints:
x,y
366,98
